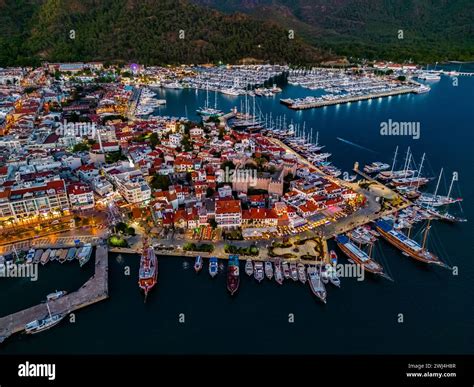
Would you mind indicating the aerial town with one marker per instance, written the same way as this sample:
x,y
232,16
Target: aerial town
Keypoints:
x,y
86,160
69,151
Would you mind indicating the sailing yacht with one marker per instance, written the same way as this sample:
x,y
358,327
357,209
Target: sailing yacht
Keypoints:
x,y
207,111
437,201
402,174
45,323
408,246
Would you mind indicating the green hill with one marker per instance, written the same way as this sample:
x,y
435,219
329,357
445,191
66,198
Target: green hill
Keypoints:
x,y
433,30
146,31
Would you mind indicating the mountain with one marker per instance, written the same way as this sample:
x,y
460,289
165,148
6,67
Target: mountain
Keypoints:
x,y
145,31
148,31
433,30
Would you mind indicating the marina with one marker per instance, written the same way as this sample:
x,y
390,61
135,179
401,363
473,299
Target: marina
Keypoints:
x,y
315,102
403,270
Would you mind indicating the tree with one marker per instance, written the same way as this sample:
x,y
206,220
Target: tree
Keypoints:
x,y
221,133
160,182
81,147
209,192
113,157
154,140
186,144
121,227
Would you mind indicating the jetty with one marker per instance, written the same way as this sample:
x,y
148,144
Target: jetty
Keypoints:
x,y
93,291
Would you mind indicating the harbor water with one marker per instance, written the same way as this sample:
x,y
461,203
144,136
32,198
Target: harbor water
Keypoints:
x,y
425,309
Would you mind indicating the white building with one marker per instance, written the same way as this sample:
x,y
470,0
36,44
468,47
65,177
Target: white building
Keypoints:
x,y
228,213
81,196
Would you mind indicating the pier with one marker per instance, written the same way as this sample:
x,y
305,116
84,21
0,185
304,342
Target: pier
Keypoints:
x,y
318,104
94,290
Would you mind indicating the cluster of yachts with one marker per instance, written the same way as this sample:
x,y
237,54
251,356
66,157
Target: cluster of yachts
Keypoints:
x,y
338,84
301,141
409,180
81,254
317,275
237,80
353,93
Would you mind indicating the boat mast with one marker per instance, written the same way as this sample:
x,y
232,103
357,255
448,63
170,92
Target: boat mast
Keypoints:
x,y
394,159
454,178
317,137
419,171
49,310
426,234
407,162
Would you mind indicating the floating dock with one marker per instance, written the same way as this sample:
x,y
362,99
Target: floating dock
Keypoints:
x,y
94,290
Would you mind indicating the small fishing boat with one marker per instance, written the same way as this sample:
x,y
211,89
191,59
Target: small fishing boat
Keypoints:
x,y
62,256
258,271
269,270
30,256
316,284
293,271
332,275
71,254
213,267
198,264
249,267
55,295
38,255
278,273
45,257
286,270
52,255
301,273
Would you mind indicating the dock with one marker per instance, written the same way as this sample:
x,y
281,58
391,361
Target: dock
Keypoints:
x,y
342,100
93,291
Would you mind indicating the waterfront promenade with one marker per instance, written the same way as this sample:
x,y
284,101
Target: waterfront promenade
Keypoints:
x,y
94,290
